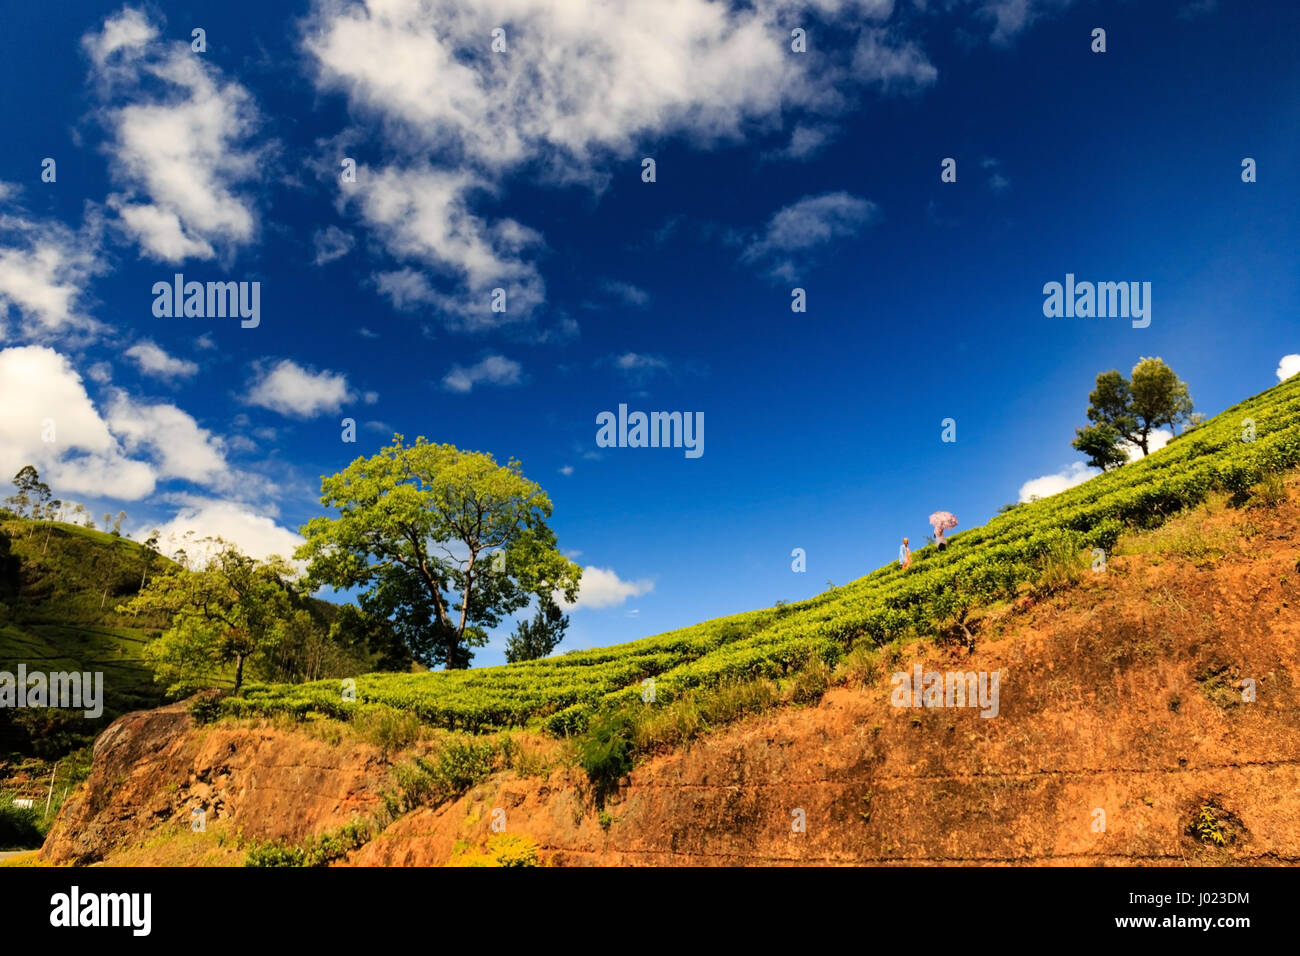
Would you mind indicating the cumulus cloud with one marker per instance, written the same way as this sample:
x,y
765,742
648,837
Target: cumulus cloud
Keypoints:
x,y
492,370
291,389
179,446
1076,474
45,269
422,73
48,420
1287,366
422,214
797,231
1159,438
181,145
152,360
255,534
39,389
602,587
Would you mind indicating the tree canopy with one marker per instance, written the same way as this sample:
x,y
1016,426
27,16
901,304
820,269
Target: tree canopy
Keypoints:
x,y
1129,410
443,542
236,609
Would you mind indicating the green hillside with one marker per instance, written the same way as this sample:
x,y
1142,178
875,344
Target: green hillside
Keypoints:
x,y
59,585
942,595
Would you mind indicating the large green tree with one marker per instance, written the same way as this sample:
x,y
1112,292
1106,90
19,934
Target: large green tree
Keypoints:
x,y
234,610
443,542
1129,410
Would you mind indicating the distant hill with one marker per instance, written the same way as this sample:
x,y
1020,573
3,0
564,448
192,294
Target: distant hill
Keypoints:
x,y
59,587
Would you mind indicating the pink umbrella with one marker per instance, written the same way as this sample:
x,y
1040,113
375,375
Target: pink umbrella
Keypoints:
x,y
941,521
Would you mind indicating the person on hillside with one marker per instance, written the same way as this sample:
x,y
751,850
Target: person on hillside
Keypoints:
x,y
941,521
905,555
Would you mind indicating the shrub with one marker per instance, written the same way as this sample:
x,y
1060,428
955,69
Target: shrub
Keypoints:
x,y
605,751
504,849
1269,493
20,827
388,729
205,708
319,850
1062,563
461,765
811,682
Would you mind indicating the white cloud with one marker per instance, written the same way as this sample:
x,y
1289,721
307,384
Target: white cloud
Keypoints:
x,y
100,372
1076,474
255,534
330,243
421,72
121,453
879,60
1010,17
44,271
701,68
422,214
129,31
805,142
180,146
566,470
602,587
633,361
152,360
290,389
181,447
1287,366
627,293
38,387
492,370
796,231
1158,439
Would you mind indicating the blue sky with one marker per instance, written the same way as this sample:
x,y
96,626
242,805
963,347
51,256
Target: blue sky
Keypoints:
x,y
522,169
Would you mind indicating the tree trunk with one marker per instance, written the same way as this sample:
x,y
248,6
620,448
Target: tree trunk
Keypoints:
x,y
239,672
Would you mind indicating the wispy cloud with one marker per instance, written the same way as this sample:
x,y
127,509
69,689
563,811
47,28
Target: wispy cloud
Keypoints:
x,y
492,370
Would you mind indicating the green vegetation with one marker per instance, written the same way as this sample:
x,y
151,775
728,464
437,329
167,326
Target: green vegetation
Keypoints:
x,y
59,587
539,637
1211,824
942,593
20,827
1128,410
320,850
504,849
444,543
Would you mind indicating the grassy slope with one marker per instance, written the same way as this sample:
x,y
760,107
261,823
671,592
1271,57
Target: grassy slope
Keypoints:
x,y
943,593
62,616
